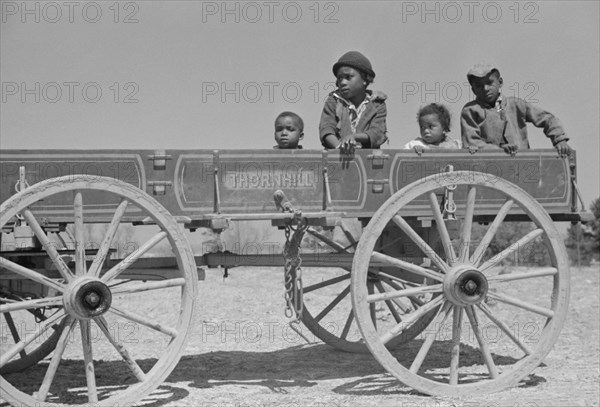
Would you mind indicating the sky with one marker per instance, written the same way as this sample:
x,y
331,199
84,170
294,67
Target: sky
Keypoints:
x,y
214,75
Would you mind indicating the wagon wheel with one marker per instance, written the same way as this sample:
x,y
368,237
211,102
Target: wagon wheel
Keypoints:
x,y
327,310
29,357
511,320
139,339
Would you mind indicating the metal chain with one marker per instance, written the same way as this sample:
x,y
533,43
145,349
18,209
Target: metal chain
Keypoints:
x,y
293,272
449,204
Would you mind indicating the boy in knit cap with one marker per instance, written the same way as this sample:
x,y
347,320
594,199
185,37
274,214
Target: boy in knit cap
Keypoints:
x,y
496,121
353,116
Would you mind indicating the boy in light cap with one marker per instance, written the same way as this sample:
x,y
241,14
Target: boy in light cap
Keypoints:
x,y
353,116
496,121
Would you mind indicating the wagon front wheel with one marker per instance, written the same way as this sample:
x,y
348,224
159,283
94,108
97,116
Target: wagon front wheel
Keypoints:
x,y
493,325
123,331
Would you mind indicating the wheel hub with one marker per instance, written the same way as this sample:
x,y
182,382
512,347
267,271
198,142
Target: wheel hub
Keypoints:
x,y
87,298
465,285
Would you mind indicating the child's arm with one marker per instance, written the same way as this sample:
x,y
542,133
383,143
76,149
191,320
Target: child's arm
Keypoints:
x,y
375,135
551,125
470,131
328,124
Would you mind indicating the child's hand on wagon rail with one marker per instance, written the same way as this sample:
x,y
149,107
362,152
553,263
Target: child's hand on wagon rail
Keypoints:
x,y
419,149
510,149
564,150
472,149
347,144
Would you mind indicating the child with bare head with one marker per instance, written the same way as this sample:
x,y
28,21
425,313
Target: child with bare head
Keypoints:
x,y
434,125
353,116
493,120
289,130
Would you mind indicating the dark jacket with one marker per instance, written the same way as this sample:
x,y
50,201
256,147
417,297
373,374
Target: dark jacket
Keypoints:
x,y
335,119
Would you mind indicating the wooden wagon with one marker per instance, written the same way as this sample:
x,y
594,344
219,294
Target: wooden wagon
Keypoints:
x,y
415,282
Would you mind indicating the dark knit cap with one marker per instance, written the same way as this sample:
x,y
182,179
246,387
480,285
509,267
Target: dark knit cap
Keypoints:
x,y
356,60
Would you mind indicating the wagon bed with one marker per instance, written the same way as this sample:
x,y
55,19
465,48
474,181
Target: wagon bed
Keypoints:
x,y
412,270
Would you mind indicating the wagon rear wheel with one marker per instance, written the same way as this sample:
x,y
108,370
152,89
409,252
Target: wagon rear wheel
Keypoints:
x,y
327,310
493,325
27,357
122,335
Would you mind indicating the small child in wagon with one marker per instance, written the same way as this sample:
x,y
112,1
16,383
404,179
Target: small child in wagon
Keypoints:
x,y
493,120
434,125
289,130
353,116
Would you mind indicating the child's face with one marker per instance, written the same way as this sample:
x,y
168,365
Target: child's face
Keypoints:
x,y
432,131
487,89
287,132
350,83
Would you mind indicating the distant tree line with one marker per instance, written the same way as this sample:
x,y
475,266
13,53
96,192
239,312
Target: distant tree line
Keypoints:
x,y
583,240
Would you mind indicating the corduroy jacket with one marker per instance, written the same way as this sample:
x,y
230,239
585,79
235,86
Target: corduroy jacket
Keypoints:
x,y
487,126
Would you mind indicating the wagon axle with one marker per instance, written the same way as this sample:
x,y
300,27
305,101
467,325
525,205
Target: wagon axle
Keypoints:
x,y
87,298
465,285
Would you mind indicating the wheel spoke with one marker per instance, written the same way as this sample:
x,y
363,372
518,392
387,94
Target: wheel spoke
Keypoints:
x,y
521,304
80,266
404,265
420,243
396,282
155,285
61,345
390,304
141,320
348,234
396,287
510,249
372,309
333,303
338,247
133,366
30,274
409,319
405,293
88,358
485,351
326,283
441,226
48,245
18,347
491,232
502,278
129,260
488,312
14,332
96,266
455,352
29,304
467,225
414,300
347,325
420,358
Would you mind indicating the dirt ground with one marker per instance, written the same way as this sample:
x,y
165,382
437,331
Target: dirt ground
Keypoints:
x,y
242,353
